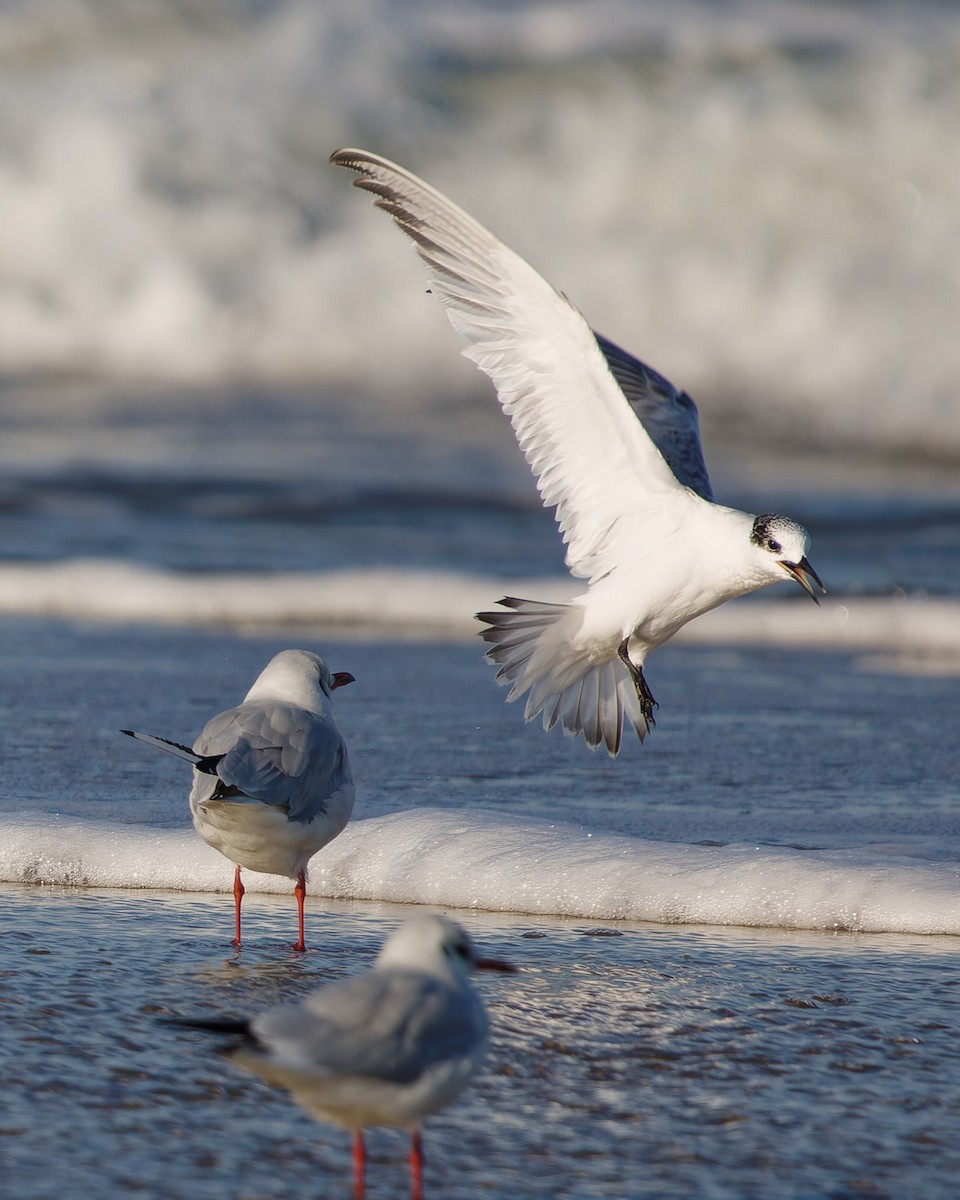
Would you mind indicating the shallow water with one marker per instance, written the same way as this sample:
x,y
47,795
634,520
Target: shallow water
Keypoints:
x,y
628,1060
783,787
753,745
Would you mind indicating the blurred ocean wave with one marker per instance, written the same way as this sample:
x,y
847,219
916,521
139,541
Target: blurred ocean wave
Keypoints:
x,y
763,200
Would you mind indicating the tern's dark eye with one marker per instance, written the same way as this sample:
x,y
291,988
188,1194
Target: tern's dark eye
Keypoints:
x,y
773,546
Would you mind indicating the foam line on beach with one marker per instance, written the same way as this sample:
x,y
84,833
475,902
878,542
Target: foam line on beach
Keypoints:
x,y
490,862
433,604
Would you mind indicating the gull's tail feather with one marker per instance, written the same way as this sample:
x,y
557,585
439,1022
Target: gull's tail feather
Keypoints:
x,y
226,1025
533,644
206,763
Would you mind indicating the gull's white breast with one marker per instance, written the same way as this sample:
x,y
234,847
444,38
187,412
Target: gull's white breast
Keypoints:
x,y
261,837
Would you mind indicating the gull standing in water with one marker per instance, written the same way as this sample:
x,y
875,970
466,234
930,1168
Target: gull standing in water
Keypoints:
x,y
615,449
388,1047
271,778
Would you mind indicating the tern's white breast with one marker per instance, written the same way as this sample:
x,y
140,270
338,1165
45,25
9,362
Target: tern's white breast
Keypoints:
x,y
671,570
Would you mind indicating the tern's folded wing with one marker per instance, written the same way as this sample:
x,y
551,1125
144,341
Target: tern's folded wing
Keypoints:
x,y
668,415
592,458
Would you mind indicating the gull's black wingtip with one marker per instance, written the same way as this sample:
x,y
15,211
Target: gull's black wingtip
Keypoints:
x,y
231,1027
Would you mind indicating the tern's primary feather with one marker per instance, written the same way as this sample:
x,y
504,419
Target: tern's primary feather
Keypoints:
x,y
668,415
544,361
615,449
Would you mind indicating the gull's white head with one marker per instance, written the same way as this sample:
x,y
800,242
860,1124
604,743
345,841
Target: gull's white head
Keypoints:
x,y
437,946
297,677
780,546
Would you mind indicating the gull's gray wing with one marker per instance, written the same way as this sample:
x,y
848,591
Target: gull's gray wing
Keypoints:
x,y
276,754
388,1025
668,415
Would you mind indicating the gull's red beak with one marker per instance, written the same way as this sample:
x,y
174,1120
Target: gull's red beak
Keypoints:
x,y
340,679
494,964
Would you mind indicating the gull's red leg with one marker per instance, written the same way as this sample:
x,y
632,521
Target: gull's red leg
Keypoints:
x,y
416,1166
359,1164
300,892
237,897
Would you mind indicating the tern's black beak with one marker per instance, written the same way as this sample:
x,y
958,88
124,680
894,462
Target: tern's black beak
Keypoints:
x,y
806,576
342,678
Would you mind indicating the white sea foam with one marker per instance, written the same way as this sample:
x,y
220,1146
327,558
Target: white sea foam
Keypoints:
x,y
494,863
760,199
432,603
436,604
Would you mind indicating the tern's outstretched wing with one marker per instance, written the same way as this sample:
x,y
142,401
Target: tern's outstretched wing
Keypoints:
x,y
669,416
276,754
592,458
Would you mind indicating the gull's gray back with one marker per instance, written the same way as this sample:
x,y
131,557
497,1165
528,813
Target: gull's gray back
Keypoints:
x,y
668,416
387,1025
276,754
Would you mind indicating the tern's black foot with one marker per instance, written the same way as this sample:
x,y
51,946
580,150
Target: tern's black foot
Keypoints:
x,y
644,695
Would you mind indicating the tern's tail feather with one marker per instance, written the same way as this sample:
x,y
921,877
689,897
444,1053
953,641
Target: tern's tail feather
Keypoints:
x,y
534,645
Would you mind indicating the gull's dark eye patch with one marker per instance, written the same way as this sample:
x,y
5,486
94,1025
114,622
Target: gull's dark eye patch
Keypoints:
x,y
773,546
